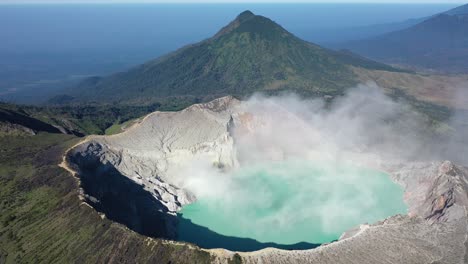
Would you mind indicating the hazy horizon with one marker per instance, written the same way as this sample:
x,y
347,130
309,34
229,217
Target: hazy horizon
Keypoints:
x,y
231,2
47,44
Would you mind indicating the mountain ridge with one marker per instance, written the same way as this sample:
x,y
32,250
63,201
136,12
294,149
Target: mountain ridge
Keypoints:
x,y
252,53
461,10
439,43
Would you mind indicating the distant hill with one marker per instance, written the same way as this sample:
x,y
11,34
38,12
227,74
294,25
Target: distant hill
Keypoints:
x,y
439,43
252,53
335,38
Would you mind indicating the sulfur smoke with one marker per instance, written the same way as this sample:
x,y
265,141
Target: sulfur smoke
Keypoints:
x,y
318,153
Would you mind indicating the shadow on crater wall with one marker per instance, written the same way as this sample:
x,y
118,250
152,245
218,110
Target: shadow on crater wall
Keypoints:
x,y
121,199
206,238
126,202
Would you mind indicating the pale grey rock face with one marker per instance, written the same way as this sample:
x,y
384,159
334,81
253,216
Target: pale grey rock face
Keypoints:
x,y
151,153
164,142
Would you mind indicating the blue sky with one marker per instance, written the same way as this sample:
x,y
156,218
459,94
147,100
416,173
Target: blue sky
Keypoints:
x,y
230,1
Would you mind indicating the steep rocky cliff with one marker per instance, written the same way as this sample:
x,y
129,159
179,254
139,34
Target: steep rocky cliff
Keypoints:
x,y
130,177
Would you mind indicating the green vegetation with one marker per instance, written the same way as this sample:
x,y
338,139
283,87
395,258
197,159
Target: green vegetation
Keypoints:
x,y
13,122
89,119
119,127
43,221
83,119
116,128
251,54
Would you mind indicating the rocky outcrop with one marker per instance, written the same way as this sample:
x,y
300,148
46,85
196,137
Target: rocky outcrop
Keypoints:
x,y
435,231
151,152
435,191
136,171
7,128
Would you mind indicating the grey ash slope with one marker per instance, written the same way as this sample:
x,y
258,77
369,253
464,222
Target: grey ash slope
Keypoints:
x,y
252,53
438,43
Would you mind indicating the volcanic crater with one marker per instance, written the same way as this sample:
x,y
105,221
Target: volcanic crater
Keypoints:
x,y
144,177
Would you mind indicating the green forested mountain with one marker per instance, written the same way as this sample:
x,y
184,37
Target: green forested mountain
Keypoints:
x,y
252,53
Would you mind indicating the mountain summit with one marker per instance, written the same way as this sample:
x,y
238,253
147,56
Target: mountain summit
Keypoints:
x,y
252,53
247,14
249,22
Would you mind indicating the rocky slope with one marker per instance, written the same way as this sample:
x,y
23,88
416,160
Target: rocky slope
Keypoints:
x,y
149,153
130,178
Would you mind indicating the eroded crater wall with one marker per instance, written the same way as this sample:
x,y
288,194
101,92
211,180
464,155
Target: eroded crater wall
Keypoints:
x,y
132,172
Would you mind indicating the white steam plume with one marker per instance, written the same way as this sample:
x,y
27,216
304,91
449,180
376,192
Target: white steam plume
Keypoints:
x,y
307,145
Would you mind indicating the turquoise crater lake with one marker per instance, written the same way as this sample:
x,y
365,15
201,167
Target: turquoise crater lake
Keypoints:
x,y
284,203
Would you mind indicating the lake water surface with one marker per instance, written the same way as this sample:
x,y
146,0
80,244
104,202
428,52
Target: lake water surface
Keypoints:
x,y
290,202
